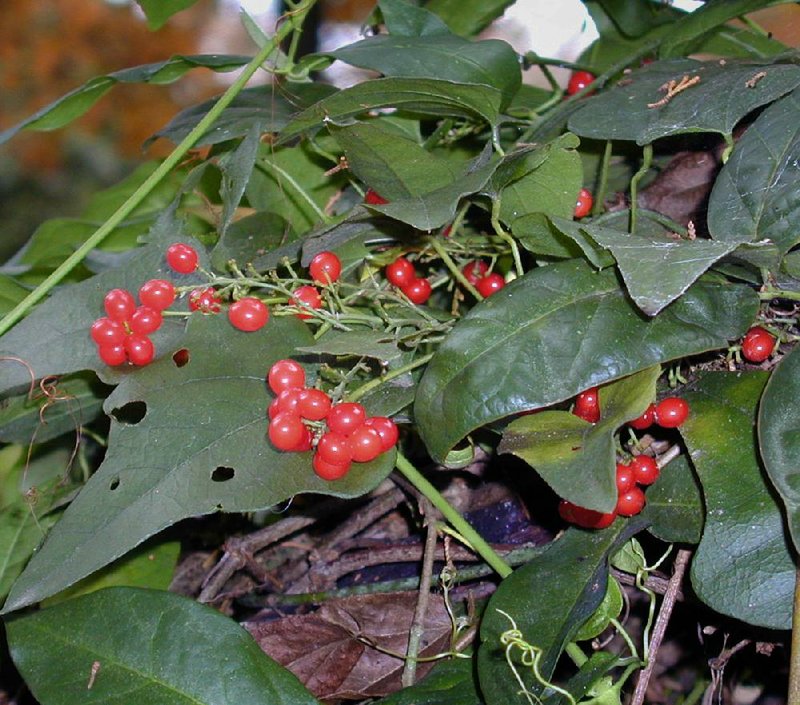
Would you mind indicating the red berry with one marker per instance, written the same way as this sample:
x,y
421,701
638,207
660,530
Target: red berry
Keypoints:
x,y
400,272
112,353
287,401
373,198
625,478
418,291
587,518
140,349
204,300
671,412
306,296
365,444
346,417
578,81
587,405
647,419
757,344
105,331
119,304
334,448
325,268
182,258
584,203
645,469
475,270
305,442
490,284
157,294
286,374
313,404
145,320
631,502
386,428
286,431
248,314
329,471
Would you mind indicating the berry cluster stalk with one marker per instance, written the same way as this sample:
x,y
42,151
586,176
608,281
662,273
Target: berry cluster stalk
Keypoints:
x,y
294,21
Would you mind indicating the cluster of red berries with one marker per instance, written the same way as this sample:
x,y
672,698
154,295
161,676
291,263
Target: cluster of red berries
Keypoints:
x,y
401,273
757,344
325,268
584,203
123,334
631,477
350,435
670,412
477,274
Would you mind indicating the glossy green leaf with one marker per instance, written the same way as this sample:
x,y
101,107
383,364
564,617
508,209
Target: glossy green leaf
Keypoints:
x,y
610,608
675,504
633,19
743,566
140,641
148,566
71,402
716,104
449,683
778,434
200,447
704,19
394,166
556,331
362,343
548,599
246,240
755,195
407,20
468,17
236,167
577,458
159,11
658,270
564,238
491,62
291,182
429,96
77,102
11,293
586,679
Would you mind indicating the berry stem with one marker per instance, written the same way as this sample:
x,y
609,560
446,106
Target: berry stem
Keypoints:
x,y
454,270
647,160
293,21
378,381
483,549
498,228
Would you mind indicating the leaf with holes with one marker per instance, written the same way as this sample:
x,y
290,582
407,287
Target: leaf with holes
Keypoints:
x,y
147,641
186,439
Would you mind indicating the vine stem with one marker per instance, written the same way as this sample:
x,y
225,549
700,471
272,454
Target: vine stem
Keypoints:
x,y
794,663
483,549
294,20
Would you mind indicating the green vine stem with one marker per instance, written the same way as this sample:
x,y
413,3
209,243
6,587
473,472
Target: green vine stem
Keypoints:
x,y
293,22
647,160
483,549
454,270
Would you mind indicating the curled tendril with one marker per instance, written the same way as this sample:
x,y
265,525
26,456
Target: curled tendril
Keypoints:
x,y
531,655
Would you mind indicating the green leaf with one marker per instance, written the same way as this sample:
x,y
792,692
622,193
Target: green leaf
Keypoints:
x,y
236,168
140,640
77,102
149,566
743,566
468,17
563,238
362,343
577,458
549,599
70,402
556,331
705,19
449,683
199,448
755,195
657,270
778,425
675,504
715,104
247,239
633,19
428,96
609,609
159,11
11,293
407,20
491,62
